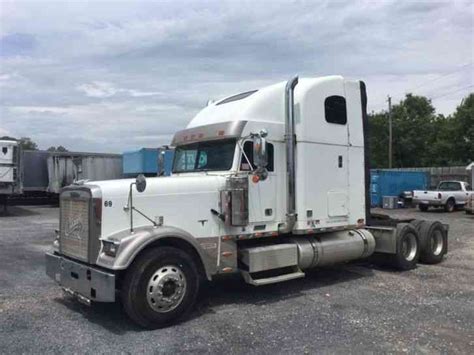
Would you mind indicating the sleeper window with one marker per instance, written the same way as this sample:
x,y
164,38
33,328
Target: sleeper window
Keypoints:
x,y
335,109
248,150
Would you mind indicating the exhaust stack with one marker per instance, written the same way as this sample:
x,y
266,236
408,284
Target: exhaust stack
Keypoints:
x,y
290,140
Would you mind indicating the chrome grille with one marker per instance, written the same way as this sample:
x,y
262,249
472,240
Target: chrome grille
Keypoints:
x,y
74,225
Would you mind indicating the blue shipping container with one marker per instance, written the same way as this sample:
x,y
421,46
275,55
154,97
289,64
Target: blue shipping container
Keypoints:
x,y
393,183
145,161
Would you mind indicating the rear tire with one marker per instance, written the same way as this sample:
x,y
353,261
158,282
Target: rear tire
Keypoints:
x,y
450,205
160,287
423,208
433,242
408,248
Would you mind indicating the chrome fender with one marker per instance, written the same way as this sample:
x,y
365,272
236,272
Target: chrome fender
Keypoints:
x,y
131,244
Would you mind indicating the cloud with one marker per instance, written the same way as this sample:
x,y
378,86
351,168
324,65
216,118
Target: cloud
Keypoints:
x,y
101,89
4,132
108,76
98,89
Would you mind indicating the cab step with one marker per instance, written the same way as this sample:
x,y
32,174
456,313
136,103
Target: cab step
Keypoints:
x,y
249,278
267,264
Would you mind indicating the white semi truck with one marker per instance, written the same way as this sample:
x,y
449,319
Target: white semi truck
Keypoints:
x,y
267,183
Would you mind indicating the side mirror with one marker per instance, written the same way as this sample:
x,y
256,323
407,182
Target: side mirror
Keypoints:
x,y
140,183
260,154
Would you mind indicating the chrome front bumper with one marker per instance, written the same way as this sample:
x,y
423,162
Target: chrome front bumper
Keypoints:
x,y
82,281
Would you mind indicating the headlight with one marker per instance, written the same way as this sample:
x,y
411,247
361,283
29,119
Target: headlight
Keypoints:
x,y
110,247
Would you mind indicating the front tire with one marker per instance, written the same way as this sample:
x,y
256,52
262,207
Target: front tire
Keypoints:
x,y
423,207
160,287
450,205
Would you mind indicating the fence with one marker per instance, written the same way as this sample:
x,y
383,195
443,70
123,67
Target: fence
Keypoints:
x,y
438,174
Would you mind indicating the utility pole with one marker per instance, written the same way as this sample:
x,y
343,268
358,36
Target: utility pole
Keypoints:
x,y
389,99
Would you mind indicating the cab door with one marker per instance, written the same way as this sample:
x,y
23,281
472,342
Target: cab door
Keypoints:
x,y
262,194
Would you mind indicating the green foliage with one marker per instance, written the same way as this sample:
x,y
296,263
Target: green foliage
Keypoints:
x,y
59,148
27,144
421,137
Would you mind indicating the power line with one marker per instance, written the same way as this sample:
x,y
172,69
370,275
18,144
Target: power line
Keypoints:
x,y
441,76
451,92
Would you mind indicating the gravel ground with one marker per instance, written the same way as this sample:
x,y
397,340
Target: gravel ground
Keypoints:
x,y
349,308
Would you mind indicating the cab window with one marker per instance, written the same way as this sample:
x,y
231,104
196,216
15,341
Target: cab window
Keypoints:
x,y
335,109
248,150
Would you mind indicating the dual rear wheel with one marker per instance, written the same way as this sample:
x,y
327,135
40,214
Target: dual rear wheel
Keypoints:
x,y
433,241
418,241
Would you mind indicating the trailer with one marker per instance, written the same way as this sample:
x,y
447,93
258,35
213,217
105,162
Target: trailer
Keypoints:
x,y
65,168
265,184
37,176
10,169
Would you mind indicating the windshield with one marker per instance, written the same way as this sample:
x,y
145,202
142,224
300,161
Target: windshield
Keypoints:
x,y
204,156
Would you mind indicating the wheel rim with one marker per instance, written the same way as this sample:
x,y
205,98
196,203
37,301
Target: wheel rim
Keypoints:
x,y
409,247
166,289
436,241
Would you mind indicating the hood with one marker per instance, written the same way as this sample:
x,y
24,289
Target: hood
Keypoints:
x,y
182,202
184,183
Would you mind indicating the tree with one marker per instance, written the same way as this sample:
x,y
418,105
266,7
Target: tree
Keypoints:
x,y
462,132
59,148
378,140
27,144
421,137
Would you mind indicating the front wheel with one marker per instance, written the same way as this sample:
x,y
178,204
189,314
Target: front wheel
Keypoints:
x,y
160,287
423,207
450,204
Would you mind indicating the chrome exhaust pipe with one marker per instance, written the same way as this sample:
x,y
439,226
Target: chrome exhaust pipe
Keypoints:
x,y
290,140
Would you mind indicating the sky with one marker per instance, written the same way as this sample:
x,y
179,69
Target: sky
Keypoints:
x,y
109,76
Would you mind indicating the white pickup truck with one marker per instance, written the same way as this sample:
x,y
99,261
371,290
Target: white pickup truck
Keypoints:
x,y
449,195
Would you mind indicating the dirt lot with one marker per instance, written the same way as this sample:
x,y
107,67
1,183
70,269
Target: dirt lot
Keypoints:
x,y
349,308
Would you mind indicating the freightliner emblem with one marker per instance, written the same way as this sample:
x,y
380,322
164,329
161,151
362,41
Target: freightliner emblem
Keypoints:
x,y
73,229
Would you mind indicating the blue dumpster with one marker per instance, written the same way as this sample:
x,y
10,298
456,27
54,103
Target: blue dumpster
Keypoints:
x,y
393,183
145,161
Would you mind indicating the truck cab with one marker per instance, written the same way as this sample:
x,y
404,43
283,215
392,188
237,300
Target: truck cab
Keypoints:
x,y
266,184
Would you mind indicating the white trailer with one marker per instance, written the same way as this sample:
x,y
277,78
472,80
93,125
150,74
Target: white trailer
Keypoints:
x,y
267,184
10,180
